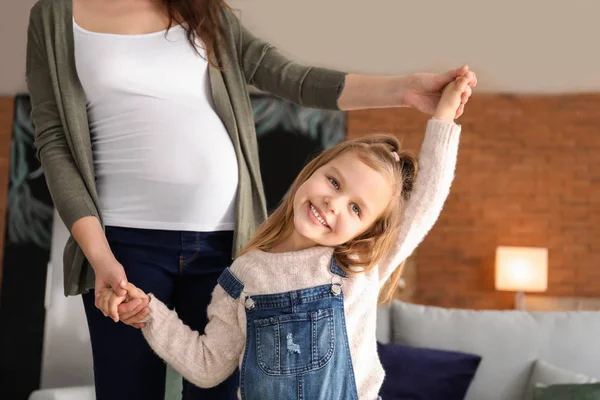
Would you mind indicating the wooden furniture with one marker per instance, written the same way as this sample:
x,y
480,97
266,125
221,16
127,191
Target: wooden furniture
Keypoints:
x,y
6,123
551,303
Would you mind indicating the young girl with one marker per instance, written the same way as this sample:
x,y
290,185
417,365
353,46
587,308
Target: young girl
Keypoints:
x,y
296,311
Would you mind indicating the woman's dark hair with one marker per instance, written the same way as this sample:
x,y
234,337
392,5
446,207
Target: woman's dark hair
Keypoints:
x,y
201,19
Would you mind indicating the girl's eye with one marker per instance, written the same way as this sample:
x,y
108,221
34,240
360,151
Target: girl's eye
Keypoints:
x,y
356,209
335,183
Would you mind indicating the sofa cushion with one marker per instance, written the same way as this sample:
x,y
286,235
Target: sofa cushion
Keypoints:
x,y
425,374
508,341
568,391
384,324
66,393
547,374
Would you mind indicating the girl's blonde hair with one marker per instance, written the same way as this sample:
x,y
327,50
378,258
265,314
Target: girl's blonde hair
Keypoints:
x,y
367,249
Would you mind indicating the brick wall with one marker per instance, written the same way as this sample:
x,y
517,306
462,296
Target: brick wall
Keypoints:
x,y
528,174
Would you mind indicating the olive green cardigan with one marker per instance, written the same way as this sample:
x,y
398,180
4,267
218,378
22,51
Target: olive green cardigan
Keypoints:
x,y
62,136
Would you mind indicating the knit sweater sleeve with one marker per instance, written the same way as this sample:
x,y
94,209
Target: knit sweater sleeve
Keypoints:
x,y
205,360
437,163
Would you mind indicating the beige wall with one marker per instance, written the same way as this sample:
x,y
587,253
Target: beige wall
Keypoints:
x,y
14,15
538,46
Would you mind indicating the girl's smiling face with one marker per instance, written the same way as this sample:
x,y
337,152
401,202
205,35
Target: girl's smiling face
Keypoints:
x,y
340,201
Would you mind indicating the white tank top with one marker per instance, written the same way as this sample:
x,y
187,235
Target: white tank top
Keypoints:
x,y
163,158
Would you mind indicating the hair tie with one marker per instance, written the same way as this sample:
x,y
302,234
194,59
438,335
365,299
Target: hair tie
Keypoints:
x,y
396,156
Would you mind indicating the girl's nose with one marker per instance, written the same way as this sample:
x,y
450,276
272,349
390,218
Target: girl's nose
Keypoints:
x,y
332,205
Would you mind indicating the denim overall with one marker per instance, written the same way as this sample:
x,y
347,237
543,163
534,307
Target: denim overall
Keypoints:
x,y
296,343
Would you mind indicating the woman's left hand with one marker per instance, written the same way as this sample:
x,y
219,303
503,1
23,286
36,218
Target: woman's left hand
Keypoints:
x,y
423,91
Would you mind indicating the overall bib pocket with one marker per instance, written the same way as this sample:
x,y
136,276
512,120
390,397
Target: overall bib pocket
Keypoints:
x,y
295,343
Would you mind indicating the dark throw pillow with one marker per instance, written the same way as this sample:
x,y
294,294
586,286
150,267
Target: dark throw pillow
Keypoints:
x,y
417,373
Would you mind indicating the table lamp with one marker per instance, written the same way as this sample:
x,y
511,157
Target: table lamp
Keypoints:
x,y
521,269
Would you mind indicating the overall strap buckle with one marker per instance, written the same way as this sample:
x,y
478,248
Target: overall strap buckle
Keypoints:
x,y
338,276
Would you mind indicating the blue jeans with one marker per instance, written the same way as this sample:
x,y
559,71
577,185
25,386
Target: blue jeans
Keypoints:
x,y
179,268
296,343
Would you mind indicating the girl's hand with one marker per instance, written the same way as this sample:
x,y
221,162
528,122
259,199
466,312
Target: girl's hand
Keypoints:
x,y
108,301
423,91
136,309
451,104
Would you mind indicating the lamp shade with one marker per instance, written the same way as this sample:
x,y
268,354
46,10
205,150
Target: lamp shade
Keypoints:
x,y
521,269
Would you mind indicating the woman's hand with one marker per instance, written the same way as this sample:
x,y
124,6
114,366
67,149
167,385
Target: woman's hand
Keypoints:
x,y
423,91
135,310
129,307
110,275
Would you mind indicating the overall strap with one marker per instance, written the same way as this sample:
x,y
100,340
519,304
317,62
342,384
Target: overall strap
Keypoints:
x,y
232,285
336,269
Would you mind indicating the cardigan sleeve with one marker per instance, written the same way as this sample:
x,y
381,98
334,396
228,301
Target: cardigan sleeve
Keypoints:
x,y
65,183
266,68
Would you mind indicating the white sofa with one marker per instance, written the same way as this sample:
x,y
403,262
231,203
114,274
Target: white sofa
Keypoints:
x,y
509,342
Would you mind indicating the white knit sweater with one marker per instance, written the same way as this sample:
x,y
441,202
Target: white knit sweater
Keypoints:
x,y
208,359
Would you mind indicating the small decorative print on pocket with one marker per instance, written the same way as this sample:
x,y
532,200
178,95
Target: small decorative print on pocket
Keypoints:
x,y
291,346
